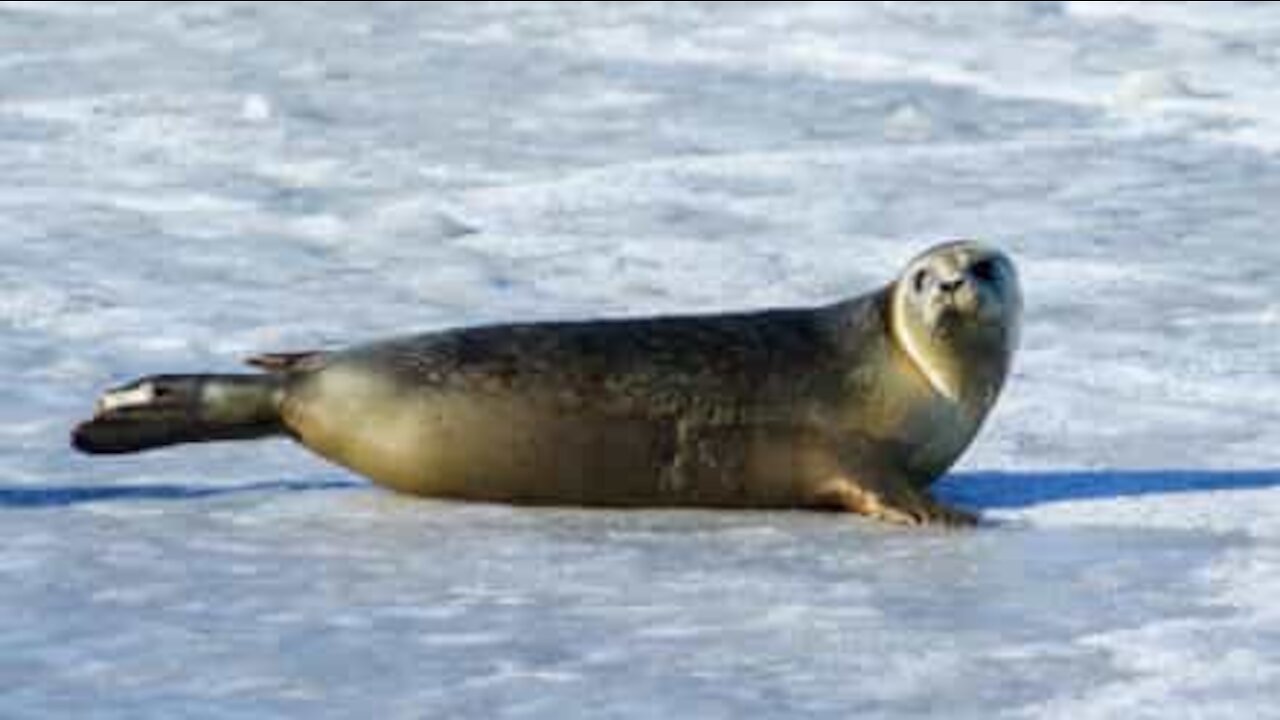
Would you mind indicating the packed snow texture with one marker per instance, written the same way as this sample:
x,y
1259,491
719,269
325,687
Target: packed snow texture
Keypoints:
x,y
184,184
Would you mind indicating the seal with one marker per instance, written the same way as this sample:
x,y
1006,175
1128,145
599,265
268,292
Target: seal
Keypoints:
x,y
859,405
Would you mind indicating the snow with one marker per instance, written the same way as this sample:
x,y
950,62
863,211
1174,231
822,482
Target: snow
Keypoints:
x,y
184,184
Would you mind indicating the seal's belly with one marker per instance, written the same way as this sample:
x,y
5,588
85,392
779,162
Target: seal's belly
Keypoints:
x,y
511,448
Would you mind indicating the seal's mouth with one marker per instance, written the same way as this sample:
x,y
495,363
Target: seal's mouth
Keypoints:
x,y
947,322
955,314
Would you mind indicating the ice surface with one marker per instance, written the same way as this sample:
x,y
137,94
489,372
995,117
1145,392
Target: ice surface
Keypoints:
x,y
182,184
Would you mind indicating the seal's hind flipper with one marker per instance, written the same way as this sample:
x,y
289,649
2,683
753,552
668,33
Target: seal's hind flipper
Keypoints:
x,y
165,410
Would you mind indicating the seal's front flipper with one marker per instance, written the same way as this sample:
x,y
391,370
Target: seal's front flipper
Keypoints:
x,y
897,503
937,513
170,409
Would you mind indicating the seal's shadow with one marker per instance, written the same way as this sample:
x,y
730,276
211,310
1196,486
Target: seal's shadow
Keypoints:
x,y
976,490
68,495
1013,490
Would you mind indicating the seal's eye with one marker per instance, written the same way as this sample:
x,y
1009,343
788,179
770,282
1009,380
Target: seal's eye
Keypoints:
x,y
985,270
920,279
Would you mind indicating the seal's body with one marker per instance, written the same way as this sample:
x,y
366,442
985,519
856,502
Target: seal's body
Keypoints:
x,y
858,405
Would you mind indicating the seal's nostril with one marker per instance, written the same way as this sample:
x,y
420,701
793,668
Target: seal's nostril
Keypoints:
x,y
951,285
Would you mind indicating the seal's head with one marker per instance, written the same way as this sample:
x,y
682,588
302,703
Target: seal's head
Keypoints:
x,y
956,311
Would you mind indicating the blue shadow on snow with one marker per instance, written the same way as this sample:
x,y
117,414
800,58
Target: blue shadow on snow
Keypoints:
x,y
978,490
1012,490
66,495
